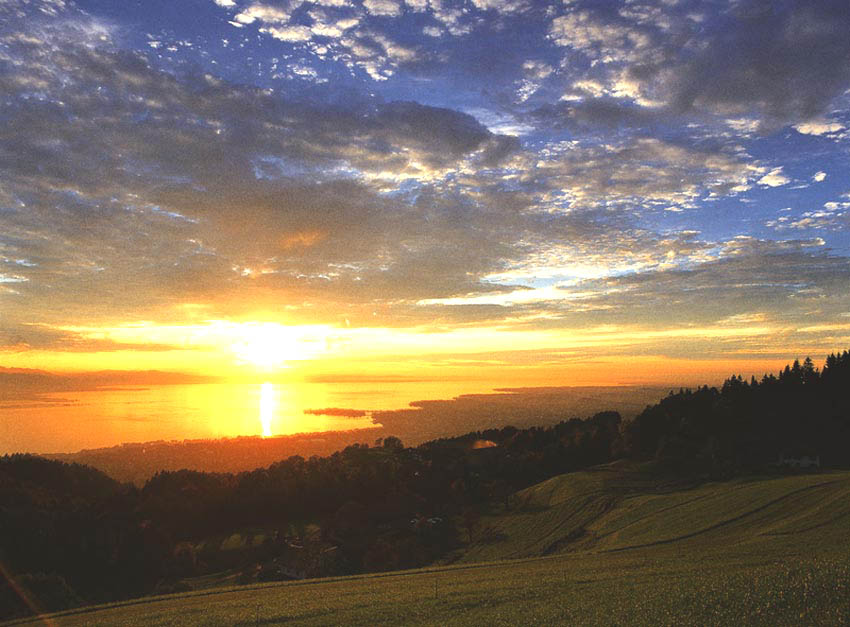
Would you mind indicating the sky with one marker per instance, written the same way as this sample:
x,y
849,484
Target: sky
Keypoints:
x,y
581,191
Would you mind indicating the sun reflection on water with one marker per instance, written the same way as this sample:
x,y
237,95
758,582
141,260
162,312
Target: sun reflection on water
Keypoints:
x,y
268,404
69,421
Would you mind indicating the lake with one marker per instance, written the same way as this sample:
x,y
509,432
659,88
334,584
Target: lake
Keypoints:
x,y
64,422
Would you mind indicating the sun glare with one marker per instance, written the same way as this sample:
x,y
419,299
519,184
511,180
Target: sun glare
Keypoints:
x,y
268,346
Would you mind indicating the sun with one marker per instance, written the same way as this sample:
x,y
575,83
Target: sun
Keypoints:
x,y
267,346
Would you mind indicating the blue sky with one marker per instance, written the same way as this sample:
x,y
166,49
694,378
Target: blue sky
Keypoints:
x,y
560,167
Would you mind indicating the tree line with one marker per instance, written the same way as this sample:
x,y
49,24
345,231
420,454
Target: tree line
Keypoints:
x,y
746,425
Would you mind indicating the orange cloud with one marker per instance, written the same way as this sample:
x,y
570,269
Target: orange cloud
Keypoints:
x,y
302,239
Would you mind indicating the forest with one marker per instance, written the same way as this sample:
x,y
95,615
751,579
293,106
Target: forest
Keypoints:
x,y
70,535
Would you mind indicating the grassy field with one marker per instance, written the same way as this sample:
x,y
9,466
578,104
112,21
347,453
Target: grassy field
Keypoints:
x,y
622,507
608,546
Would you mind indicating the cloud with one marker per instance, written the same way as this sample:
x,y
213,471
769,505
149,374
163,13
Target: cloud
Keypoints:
x,y
180,186
599,113
603,35
819,127
289,33
640,171
264,13
325,25
389,8
835,216
749,274
28,384
787,64
711,281
501,6
774,178
163,194
337,411
819,177
334,21
25,337
778,64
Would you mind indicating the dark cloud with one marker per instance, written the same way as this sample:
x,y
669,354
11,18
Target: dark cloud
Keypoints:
x,y
600,114
337,411
786,61
779,62
26,337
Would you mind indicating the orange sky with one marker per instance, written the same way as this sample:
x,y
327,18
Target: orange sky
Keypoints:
x,y
503,355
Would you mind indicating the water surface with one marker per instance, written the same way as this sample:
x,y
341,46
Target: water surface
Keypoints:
x,y
70,421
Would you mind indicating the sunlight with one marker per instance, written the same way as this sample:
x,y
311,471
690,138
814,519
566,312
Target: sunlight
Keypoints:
x,y
266,345
268,404
210,346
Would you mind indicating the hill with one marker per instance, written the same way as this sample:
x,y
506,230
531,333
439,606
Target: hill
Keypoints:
x,y
625,506
26,478
138,462
625,547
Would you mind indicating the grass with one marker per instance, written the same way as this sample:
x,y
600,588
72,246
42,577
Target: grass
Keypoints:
x,y
610,546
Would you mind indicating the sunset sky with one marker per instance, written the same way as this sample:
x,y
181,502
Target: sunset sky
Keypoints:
x,y
586,191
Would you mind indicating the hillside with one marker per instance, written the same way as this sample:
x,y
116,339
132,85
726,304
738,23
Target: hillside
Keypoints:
x,y
623,506
629,548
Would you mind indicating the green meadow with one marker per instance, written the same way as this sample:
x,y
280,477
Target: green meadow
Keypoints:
x,y
613,545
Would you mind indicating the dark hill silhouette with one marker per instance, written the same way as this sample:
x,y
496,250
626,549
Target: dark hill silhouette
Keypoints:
x,y
41,480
